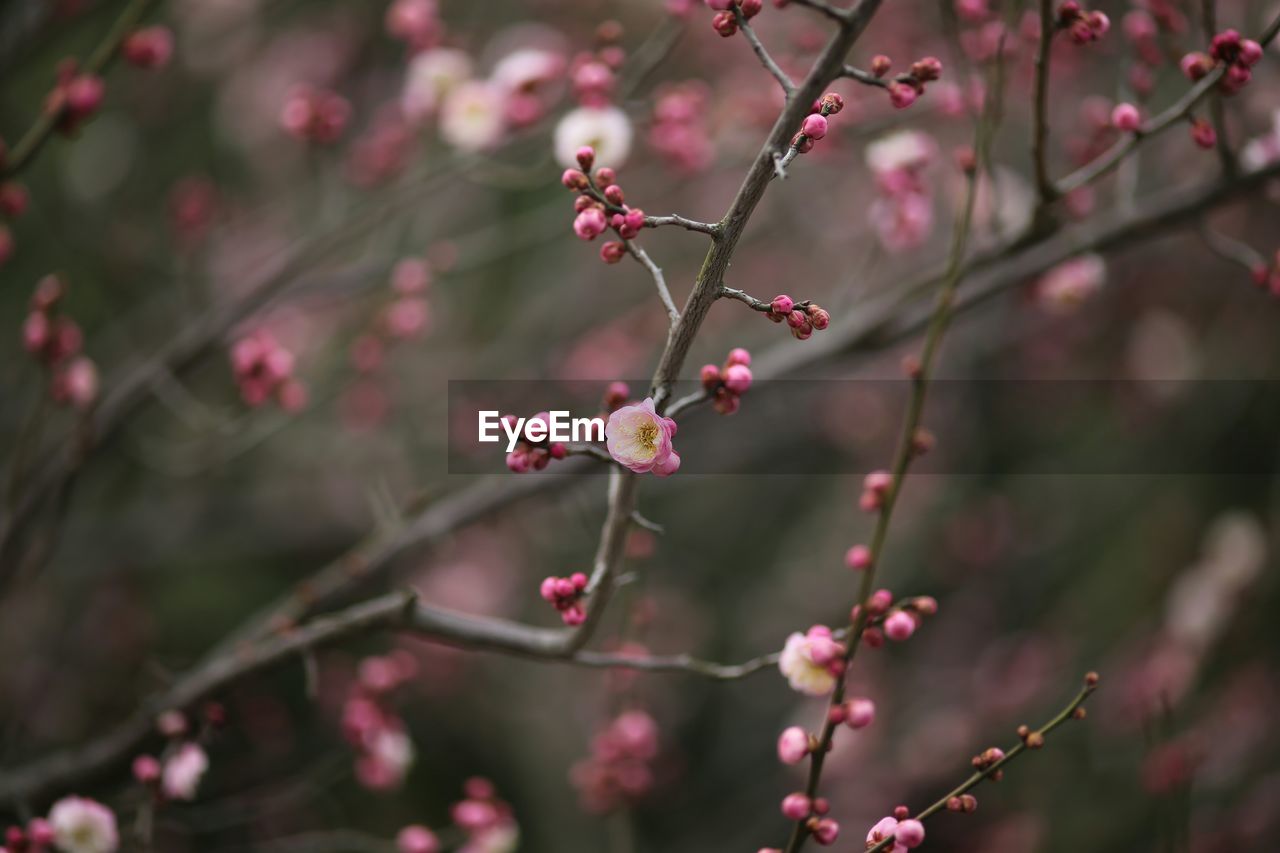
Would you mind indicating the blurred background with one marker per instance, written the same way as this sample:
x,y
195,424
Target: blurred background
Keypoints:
x,y
410,230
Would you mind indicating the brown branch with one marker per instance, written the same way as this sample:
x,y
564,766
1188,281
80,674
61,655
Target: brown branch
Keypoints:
x,y
1040,131
659,280
788,88
397,611
990,771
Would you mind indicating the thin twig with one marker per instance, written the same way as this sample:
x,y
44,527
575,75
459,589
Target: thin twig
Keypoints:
x,y
710,228
978,777
866,78
839,15
788,87
659,280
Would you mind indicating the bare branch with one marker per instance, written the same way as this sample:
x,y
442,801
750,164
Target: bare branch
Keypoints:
x,y
710,228
659,280
1040,131
788,88
866,78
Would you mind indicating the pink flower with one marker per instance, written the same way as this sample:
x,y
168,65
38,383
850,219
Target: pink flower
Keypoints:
x,y
472,116
882,830
640,439
1068,285
793,745
814,127
811,661
183,771
82,825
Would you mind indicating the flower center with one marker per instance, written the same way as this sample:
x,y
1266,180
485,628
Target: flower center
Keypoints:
x,y
647,435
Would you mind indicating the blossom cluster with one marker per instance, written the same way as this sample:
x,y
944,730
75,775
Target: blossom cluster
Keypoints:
x,y
263,369
55,340
1082,25
384,751
314,114
1228,48
902,213
601,205
535,450
802,318
726,384
619,770
565,595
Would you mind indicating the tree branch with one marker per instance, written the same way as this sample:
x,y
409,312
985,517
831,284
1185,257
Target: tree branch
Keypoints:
x,y
788,88
659,280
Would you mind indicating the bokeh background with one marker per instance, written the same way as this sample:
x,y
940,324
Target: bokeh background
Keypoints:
x,y
184,198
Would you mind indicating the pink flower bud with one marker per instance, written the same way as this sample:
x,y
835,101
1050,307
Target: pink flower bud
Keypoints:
x,y
573,179
880,65
814,126
40,832
899,626
586,157
590,223
858,557
819,318
737,378
782,304
750,8
830,103
417,839
879,602
613,251
710,376
878,481
146,769
826,831
909,833
793,745
927,69
1196,65
725,24
13,199
902,95
739,355
1203,134
84,95
1125,118
859,713
1250,52
796,806
613,194
150,47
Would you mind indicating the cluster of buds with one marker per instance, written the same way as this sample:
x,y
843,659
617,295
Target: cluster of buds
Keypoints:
x,y
54,339
987,759
263,369
964,804
600,205
370,724
565,595
76,96
1083,26
896,621
535,450
1267,277
904,89
815,124
619,770
726,384
1238,54
593,75
803,318
485,820
176,774
725,21
315,115
812,810
149,47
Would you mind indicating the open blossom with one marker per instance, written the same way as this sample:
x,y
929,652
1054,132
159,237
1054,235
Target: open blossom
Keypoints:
x,y
432,75
183,771
640,438
605,129
1065,287
82,825
472,117
811,661
527,68
906,149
